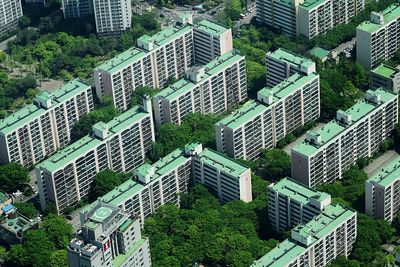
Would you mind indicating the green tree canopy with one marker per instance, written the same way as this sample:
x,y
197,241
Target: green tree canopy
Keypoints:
x,y
13,176
273,164
27,209
105,181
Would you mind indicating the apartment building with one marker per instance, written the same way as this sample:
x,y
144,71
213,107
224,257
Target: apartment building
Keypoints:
x,y
386,77
166,54
281,64
156,59
316,243
228,178
355,133
112,17
108,237
377,39
211,40
307,17
161,183
278,112
119,145
39,129
291,203
10,13
77,8
382,192
213,88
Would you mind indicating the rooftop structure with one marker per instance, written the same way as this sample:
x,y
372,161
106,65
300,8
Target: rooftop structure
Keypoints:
x,y
357,132
387,77
302,242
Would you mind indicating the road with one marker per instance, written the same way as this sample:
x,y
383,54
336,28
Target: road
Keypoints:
x,y
342,47
381,161
289,147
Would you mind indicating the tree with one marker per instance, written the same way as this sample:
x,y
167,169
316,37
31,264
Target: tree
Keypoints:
x,y
140,92
27,209
273,164
18,256
396,137
105,181
59,258
233,8
38,247
58,230
13,176
24,22
255,76
342,261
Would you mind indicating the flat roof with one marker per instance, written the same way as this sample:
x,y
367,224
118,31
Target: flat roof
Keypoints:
x,y
319,52
387,174
214,67
134,54
385,71
252,108
311,4
389,15
222,162
89,142
322,225
334,128
32,111
130,188
17,224
298,192
291,58
211,27
243,115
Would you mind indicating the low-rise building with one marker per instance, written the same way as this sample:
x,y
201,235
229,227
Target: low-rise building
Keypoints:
x,y
5,200
37,130
291,203
108,237
279,111
377,39
330,234
119,145
161,183
213,88
13,225
355,133
386,77
382,192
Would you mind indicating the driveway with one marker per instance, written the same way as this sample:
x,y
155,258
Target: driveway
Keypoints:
x,y
380,162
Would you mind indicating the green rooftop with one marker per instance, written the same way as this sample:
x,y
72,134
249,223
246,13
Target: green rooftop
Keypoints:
x,y
252,109
128,222
311,4
130,188
385,71
291,58
214,67
243,115
121,258
222,162
134,54
84,145
33,111
389,15
211,27
333,128
319,52
323,224
388,174
299,192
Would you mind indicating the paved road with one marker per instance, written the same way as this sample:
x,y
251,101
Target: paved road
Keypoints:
x,y
289,147
378,163
344,46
